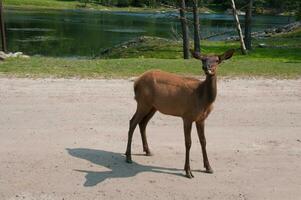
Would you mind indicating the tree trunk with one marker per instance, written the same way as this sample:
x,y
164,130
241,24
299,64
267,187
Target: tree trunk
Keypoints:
x,y
242,43
196,26
2,27
248,25
184,29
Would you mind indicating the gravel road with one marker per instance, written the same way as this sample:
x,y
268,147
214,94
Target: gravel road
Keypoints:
x,y
65,139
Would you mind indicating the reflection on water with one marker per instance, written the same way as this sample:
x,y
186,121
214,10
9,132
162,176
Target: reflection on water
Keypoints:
x,y
125,30
31,29
86,33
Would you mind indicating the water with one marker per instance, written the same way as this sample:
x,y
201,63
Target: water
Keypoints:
x,y
86,33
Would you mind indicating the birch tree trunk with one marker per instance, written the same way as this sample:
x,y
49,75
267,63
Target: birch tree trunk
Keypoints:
x,y
184,29
238,27
196,26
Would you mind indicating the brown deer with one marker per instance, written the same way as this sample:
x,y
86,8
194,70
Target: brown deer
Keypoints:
x,y
170,94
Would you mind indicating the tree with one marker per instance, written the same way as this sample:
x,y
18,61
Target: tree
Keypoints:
x,y
242,43
248,25
299,12
196,26
2,27
184,29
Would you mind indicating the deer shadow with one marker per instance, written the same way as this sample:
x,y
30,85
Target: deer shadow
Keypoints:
x,y
116,164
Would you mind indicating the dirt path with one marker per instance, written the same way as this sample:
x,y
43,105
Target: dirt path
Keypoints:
x,y
65,139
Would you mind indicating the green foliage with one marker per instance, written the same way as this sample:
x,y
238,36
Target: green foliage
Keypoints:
x,y
139,3
123,3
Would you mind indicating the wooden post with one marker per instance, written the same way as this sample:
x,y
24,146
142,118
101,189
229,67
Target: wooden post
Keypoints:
x,y
184,29
196,26
248,25
2,27
242,43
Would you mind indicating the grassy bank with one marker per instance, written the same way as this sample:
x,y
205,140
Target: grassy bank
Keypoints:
x,y
72,4
116,68
40,4
76,4
280,58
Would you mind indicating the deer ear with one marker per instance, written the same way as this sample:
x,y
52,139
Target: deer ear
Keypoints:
x,y
195,54
227,55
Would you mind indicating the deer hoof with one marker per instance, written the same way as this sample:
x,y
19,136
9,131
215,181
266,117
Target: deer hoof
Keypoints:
x,y
128,160
189,174
209,171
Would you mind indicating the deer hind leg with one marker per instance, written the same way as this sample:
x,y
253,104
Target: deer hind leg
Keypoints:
x,y
187,135
142,126
140,113
201,133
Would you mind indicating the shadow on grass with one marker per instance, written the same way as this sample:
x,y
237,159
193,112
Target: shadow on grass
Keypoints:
x,y
116,164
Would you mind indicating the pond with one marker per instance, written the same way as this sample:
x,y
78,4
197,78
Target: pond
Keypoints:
x,y
72,33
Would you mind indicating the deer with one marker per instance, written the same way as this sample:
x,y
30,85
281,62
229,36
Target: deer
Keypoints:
x,y
180,96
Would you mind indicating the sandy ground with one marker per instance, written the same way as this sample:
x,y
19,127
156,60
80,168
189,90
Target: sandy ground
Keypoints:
x,y
65,139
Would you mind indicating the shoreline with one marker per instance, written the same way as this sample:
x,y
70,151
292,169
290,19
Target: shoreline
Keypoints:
x,y
89,9
95,8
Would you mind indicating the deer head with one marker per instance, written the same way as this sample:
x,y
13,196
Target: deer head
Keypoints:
x,y
210,62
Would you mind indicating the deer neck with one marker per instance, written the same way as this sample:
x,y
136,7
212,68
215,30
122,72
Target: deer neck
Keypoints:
x,y
210,88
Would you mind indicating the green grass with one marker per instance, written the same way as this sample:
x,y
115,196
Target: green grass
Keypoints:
x,y
42,4
76,4
71,4
116,68
282,59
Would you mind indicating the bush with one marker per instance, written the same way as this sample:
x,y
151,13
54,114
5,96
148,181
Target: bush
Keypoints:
x,y
138,3
123,3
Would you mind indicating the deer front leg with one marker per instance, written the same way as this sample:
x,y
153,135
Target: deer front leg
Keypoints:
x,y
187,135
201,133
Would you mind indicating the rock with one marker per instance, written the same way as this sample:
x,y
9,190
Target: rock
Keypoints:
x,y
229,11
262,45
25,56
18,54
279,30
132,79
271,31
4,55
15,55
